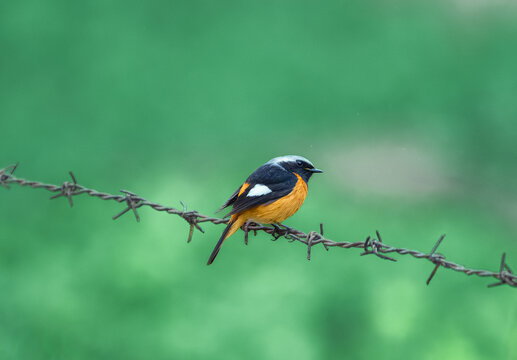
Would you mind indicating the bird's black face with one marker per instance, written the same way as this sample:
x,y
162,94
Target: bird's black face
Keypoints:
x,y
301,167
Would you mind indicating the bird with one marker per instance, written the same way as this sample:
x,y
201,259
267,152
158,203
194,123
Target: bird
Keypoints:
x,y
271,194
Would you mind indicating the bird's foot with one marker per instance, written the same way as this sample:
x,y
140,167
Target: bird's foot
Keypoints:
x,y
281,230
277,232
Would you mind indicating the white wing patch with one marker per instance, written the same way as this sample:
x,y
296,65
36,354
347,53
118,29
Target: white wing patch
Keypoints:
x,y
259,190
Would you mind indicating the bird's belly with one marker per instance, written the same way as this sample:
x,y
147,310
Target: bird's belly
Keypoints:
x,y
282,208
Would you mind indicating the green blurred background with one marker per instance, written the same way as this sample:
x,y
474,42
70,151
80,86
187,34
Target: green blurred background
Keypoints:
x,y
410,107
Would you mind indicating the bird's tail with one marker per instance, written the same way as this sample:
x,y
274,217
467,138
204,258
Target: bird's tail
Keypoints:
x,y
234,224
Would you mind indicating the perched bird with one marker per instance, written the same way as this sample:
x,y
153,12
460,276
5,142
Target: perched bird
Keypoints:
x,y
271,194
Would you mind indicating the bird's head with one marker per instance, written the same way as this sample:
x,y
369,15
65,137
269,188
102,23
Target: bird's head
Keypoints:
x,y
296,164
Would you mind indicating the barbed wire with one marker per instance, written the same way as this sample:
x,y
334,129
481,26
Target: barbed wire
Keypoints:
x,y
371,246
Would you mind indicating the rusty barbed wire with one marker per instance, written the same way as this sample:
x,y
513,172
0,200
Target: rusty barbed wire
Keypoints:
x,y
372,245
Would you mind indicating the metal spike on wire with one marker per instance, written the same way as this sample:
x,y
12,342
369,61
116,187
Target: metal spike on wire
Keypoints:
x,y
505,274
372,245
67,189
435,258
133,202
4,174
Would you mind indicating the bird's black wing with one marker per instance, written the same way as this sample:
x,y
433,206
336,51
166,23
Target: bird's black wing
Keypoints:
x,y
231,200
274,177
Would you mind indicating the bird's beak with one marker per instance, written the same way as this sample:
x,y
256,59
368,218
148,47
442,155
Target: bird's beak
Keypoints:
x,y
315,171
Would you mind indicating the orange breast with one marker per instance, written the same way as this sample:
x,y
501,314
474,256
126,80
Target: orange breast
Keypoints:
x,y
282,208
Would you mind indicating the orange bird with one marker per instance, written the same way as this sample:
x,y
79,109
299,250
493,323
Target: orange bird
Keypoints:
x,y
271,194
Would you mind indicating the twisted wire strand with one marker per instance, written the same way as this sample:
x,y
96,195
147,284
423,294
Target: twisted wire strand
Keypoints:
x,y
372,245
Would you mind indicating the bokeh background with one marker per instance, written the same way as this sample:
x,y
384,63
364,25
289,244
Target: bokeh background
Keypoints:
x,y
410,107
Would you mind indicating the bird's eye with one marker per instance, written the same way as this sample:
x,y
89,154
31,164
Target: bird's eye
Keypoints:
x,y
299,162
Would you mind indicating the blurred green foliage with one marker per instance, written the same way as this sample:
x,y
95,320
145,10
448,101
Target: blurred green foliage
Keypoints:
x,y
409,106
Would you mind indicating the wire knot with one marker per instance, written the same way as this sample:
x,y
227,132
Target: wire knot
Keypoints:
x,y
4,176
246,228
311,238
505,274
376,245
506,277
436,259
192,217
68,189
133,202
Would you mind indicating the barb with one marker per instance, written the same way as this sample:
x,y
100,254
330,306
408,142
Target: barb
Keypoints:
x,y
191,218
376,246
4,176
133,202
67,189
435,258
372,245
505,274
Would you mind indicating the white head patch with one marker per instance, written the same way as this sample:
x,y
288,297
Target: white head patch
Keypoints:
x,y
259,190
288,158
